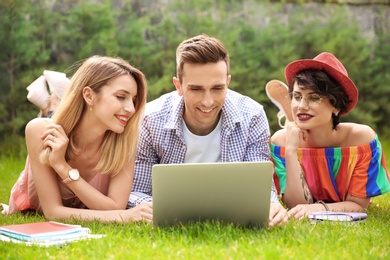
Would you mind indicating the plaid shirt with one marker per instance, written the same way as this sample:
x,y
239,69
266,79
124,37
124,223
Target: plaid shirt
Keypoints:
x,y
244,137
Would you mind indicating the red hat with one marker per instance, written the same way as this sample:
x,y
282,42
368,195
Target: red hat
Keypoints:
x,y
333,67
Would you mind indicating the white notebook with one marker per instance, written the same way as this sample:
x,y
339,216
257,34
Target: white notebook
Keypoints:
x,y
336,216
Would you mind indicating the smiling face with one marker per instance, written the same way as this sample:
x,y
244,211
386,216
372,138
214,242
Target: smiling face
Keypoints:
x,y
204,89
115,104
311,110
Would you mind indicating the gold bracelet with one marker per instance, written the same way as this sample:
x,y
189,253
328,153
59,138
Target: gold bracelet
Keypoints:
x,y
323,203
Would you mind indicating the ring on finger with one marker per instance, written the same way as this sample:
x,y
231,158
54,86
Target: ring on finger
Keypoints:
x,y
52,138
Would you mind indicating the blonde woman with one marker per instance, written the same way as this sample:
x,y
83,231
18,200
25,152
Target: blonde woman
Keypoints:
x,y
82,160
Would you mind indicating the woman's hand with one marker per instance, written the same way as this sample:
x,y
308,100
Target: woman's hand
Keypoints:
x,y
294,135
55,137
301,210
352,204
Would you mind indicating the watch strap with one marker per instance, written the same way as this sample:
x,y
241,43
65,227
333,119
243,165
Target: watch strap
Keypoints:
x,y
67,180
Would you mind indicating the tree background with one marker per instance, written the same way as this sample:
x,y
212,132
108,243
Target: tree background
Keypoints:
x,y
262,37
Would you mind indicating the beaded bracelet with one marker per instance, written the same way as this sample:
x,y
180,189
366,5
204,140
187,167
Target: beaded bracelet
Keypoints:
x,y
323,203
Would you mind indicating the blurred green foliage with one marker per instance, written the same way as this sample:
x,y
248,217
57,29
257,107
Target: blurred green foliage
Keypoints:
x,y
262,38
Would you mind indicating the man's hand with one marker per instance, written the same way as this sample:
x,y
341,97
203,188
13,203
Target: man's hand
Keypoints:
x,y
142,212
277,215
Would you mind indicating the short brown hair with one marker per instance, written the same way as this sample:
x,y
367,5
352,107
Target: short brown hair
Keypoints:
x,y
200,49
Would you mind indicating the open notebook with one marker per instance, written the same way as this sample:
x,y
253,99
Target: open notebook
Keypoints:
x,y
236,192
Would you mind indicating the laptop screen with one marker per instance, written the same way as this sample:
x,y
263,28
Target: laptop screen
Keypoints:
x,y
234,192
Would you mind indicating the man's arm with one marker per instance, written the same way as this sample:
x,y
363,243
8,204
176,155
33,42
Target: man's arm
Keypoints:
x,y
137,198
258,144
257,147
145,159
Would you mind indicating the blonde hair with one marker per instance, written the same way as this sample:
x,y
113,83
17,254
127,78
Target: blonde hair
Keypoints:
x,y
116,149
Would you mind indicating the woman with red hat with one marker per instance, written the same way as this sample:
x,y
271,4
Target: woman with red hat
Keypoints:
x,y
320,163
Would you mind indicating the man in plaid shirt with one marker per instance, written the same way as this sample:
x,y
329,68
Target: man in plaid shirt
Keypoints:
x,y
202,121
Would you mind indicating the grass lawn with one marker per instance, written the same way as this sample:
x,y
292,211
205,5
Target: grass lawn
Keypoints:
x,y
295,240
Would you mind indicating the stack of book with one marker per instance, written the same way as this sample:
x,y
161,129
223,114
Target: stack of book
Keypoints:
x,y
45,233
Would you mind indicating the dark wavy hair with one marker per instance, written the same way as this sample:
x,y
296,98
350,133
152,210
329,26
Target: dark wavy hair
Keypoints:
x,y
320,82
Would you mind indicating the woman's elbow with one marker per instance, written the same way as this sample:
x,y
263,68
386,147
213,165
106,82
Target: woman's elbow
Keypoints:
x,y
291,202
362,203
55,213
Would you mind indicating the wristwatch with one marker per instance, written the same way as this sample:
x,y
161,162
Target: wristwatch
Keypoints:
x,y
73,175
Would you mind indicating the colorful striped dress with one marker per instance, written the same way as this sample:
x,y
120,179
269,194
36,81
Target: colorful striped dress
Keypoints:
x,y
332,173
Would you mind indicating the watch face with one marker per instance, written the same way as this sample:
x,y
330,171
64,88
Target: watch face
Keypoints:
x,y
74,174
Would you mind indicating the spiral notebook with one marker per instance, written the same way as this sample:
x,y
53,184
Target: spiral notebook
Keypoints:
x,y
336,216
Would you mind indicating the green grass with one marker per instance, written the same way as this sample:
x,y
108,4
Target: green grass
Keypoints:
x,y
295,240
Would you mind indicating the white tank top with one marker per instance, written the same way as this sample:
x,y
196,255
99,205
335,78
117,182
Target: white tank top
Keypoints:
x,y
201,149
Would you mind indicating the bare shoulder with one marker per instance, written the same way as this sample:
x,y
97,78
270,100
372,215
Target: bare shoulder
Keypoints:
x,y
279,137
356,134
37,126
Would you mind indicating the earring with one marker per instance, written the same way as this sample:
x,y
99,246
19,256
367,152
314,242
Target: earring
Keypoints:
x,y
90,108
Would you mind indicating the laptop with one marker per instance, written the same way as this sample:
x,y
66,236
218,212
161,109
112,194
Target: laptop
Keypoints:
x,y
234,192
